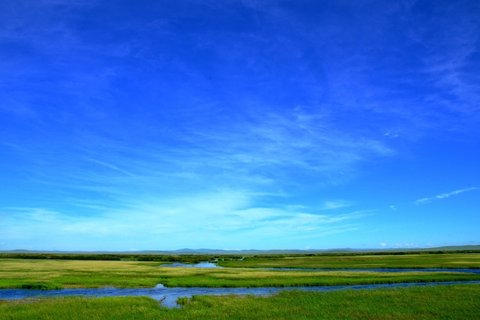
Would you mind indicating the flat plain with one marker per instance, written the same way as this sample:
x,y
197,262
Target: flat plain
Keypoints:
x,y
379,260
452,302
52,274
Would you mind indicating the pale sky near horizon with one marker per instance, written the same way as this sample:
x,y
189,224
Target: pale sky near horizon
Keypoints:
x,y
156,125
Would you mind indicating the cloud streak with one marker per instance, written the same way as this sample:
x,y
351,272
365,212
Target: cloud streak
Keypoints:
x,y
219,219
444,195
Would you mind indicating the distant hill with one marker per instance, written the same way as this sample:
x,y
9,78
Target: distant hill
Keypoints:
x,y
187,251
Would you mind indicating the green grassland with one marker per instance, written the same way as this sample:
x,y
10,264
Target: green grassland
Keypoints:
x,y
50,274
391,260
452,302
457,302
378,259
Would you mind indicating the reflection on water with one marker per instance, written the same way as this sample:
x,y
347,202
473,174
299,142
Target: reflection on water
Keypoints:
x,y
168,296
206,264
203,264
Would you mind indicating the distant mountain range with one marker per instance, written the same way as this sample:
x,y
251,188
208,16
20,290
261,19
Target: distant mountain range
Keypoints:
x,y
254,252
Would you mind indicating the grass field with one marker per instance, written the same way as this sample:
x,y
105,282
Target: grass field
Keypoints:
x,y
413,260
50,274
388,259
452,302
457,302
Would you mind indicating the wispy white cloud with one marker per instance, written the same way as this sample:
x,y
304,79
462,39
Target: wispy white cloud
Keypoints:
x,y
444,195
260,153
336,204
175,223
384,244
110,166
277,142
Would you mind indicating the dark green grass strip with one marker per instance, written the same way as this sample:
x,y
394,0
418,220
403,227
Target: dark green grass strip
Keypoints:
x,y
448,303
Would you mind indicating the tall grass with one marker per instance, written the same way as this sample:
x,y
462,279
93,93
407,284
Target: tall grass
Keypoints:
x,y
427,303
49,274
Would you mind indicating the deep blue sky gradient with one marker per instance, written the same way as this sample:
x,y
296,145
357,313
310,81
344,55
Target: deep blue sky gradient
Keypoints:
x,y
132,125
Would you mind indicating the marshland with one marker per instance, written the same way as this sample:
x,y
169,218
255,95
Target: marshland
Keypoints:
x,y
296,286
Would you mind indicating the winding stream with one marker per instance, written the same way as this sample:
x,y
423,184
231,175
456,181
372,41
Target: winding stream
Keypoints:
x,y
168,296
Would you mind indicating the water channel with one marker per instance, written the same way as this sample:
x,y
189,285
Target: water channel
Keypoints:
x,y
168,296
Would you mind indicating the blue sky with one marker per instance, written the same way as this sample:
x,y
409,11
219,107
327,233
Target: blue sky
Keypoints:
x,y
134,125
